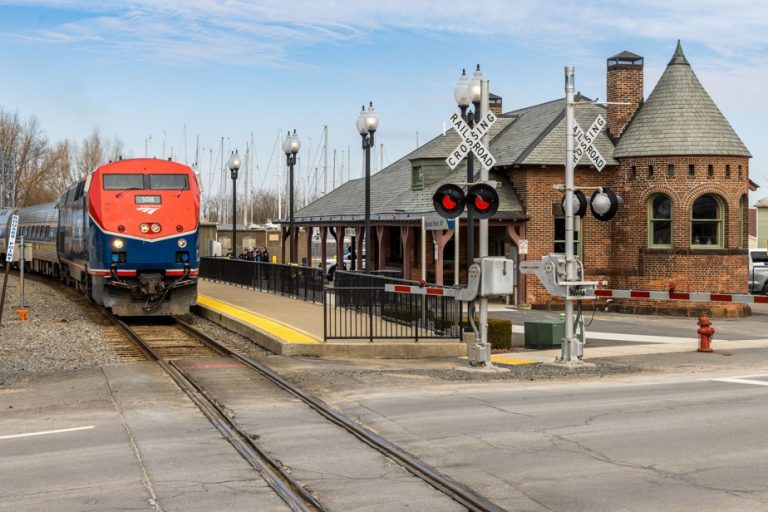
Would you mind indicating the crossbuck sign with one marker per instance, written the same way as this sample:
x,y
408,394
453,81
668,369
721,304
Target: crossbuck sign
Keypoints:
x,y
471,141
584,143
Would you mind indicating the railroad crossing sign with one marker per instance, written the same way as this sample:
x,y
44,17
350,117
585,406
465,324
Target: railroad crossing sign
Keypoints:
x,y
12,238
584,143
471,141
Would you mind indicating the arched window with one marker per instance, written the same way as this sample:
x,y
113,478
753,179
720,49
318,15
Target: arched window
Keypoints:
x,y
707,223
660,221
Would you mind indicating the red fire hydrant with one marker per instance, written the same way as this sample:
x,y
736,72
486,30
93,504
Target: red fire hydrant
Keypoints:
x,y
706,331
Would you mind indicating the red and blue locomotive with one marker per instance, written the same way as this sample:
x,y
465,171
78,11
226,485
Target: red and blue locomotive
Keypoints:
x,y
126,235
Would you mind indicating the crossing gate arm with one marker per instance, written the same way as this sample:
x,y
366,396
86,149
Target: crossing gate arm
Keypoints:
x,y
696,297
464,294
418,290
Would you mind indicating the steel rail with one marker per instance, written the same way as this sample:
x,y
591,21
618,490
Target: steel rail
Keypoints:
x,y
290,491
456,491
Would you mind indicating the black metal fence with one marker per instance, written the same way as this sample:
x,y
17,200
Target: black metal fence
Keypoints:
x,y
305,283
357,307
367,311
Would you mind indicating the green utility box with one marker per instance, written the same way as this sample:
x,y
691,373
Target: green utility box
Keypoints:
x,y
544,333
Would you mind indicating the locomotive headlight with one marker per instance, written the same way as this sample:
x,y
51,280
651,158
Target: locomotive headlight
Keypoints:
x,y
156,228
144,228
117,243
182,243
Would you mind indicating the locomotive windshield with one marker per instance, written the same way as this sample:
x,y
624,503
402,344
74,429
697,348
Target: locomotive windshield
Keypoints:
x,y
168,182
123,181
150,181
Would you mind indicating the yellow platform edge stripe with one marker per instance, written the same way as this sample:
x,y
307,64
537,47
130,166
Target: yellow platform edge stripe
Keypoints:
x,y
282,331
511,360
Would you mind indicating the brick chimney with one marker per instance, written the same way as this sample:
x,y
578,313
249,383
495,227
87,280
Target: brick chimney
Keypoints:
x,y
624,83
494,103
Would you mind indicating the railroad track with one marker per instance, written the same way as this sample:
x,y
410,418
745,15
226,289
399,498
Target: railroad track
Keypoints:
x,y
166,343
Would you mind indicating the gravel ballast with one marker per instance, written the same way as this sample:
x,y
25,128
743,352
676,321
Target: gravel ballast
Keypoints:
x,y
62,332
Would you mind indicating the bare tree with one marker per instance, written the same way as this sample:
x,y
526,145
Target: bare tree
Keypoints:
x,y
264,206
94,151
33,163
51,178
209,209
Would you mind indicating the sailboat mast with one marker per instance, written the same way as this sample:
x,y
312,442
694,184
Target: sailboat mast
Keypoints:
x,y
222,186
325,159
247,184
280,181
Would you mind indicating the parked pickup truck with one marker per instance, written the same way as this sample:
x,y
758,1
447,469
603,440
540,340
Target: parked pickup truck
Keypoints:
x,y
758,271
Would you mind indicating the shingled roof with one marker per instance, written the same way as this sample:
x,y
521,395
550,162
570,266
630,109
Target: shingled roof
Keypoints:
x,y
679,118
538,135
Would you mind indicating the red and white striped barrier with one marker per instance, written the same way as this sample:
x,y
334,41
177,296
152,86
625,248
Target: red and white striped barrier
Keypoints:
x,y
419,290
705,297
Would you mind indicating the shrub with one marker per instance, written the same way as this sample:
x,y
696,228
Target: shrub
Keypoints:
x,y
499,332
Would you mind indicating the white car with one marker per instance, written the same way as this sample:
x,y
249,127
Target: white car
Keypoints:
x,y
758,271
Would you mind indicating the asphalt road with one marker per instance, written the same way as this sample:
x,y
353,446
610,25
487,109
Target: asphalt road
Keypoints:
x,y
683,442
685,433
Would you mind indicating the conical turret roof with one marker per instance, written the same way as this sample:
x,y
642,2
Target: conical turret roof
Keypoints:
x,y
679,118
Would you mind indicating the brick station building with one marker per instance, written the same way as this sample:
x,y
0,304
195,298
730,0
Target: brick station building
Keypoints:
x,y
679,166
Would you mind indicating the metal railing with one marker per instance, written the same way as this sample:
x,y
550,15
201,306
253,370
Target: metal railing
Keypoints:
x,y
304,283
373,313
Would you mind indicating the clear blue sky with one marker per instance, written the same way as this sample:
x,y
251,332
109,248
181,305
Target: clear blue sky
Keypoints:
x,y
136,69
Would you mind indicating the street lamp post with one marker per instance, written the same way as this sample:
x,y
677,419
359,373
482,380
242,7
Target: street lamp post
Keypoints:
x,y
234,166
367,123
466,93
291,146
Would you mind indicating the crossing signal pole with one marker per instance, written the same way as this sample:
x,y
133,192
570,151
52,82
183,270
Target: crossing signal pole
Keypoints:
x,y
479,196
482,202
569,350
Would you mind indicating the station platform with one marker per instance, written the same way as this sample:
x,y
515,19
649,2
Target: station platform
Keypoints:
x,y
293,327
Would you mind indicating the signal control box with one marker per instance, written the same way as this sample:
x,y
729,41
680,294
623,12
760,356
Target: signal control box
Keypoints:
x,y
497,276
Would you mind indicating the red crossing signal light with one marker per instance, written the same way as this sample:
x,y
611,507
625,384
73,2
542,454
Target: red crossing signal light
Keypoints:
x,y
482,200
449,200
